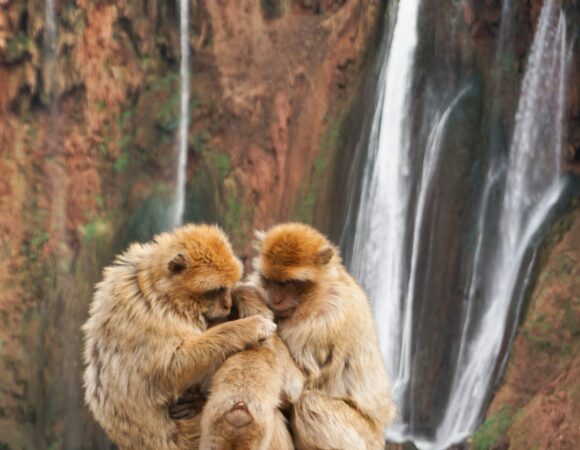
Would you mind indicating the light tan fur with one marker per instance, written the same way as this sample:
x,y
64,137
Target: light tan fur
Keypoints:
x,y
326,322
242,412
147,339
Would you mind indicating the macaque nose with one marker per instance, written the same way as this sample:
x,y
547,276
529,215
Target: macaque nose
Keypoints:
x,y
228,300
277,299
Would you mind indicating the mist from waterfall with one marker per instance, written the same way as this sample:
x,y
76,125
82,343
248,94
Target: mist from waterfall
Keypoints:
x,y
514,199
182,144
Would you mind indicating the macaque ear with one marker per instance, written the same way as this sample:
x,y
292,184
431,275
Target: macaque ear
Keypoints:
x,y
324,256
177,264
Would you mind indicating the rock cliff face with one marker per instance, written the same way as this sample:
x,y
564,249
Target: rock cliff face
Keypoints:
x,y
87,156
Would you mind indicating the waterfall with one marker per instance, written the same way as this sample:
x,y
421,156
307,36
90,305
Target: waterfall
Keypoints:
x,y
506,28
179,202
50,61
379,250
533,185
393,225
385,186
50,25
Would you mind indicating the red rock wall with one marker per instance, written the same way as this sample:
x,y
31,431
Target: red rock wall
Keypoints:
x,y
88,165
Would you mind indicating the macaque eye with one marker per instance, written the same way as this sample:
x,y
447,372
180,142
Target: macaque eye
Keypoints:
x,y
267,282
214,293
299,286
279,284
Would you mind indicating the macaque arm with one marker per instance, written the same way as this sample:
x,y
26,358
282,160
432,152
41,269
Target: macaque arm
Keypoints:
x,y
198,357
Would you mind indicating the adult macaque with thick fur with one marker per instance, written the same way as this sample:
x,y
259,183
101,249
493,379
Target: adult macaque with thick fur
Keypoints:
x,y
325,320
148,340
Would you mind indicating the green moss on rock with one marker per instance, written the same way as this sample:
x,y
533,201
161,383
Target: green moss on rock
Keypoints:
x,y
494,430
309,190
17,48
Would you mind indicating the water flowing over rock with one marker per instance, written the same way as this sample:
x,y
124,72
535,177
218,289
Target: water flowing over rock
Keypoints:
x,y
534,183
182,139
446,333
379,250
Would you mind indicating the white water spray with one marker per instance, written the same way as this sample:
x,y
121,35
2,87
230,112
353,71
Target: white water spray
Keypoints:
x,y
533,186
179,202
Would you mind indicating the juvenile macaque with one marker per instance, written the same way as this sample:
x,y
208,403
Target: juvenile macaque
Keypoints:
x,y
325,320
248,390
148,340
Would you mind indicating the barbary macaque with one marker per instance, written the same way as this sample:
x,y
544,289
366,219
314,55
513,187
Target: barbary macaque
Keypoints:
x,y
149,339
324,318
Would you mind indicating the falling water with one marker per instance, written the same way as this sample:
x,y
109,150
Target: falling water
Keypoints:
x,y
506,27
179,203
50,60
50,25
394,209
533,185
378,250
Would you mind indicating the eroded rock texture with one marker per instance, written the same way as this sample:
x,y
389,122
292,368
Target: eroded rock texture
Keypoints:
x,y
87,157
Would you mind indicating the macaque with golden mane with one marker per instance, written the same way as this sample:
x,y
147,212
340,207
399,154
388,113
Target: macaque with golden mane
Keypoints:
x,y
324,318
148,339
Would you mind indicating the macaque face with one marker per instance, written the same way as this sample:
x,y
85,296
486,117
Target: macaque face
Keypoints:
x,y
284,296
216,303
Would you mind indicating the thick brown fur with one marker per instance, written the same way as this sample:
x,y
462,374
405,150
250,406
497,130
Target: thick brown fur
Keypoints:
x,y
247,391
147,339
325,320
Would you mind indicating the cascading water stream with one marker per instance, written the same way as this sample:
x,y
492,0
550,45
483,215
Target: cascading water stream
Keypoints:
x,y
378,251
179,202
430,163
50,38
395,203
50,68
533,186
